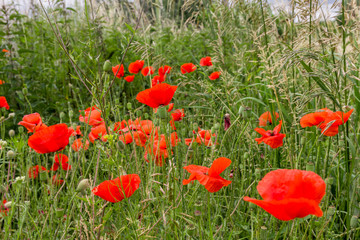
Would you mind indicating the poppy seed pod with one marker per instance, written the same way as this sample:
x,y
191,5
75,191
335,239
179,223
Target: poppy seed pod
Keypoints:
x,y
83,185
310,166
21,129
129,106
25,91
331,211
354,221
107,66
8,204
11,133
10,154
71,114
62,115
227,122
162,112
11,115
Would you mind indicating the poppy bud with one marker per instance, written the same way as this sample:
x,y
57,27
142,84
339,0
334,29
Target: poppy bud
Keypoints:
x,y
59,212
62,115
3,143
10,154
2,189
21,129
129,106
2,118
257,172
107,66
25,91
331,211
354,221
120,145
11,115
310,166
162,112
83,185
11,133
71,114
146,115
246,155
217,126
227,123
8,204
329,181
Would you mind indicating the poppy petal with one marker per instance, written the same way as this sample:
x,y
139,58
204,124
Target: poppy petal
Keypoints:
x,y
218,166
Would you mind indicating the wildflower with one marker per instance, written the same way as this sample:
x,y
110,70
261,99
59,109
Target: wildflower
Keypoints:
x,y
227,122
128,137
129,78
164,70
35,170
61,159
272,138
75,133
206,61
92,116
214,75
5,50
177,115
171,106
77,145
157,79
57,181
146,71
202,137
118,71
290,193
3,103
159,150
135,67
188,68
327,120
117,189
3,210
32,122
2,82
159,95
97,132
209,177
50,139
265,118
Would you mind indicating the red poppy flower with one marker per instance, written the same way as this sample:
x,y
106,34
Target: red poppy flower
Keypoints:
x,y
164,70
128,137
3,103
77,145
171,106
5,50
117,189
61,159
50,139
157,79
188,68
98,131
32,122
3,209
177,115
35,170
135,67
119,73
202,137
272,138
129,78
56,180
290,193
146,71
327,120
209,177
214,75
159,95
92,116
265,118
2,82
206,61
159,151
75,133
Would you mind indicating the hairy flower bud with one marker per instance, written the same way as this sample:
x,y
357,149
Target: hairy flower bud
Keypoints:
x,y
11,133
107,66
83,185
227,123
10,154
8,204
11,115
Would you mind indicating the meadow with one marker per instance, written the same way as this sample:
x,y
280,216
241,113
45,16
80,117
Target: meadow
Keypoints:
x,y
165,119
